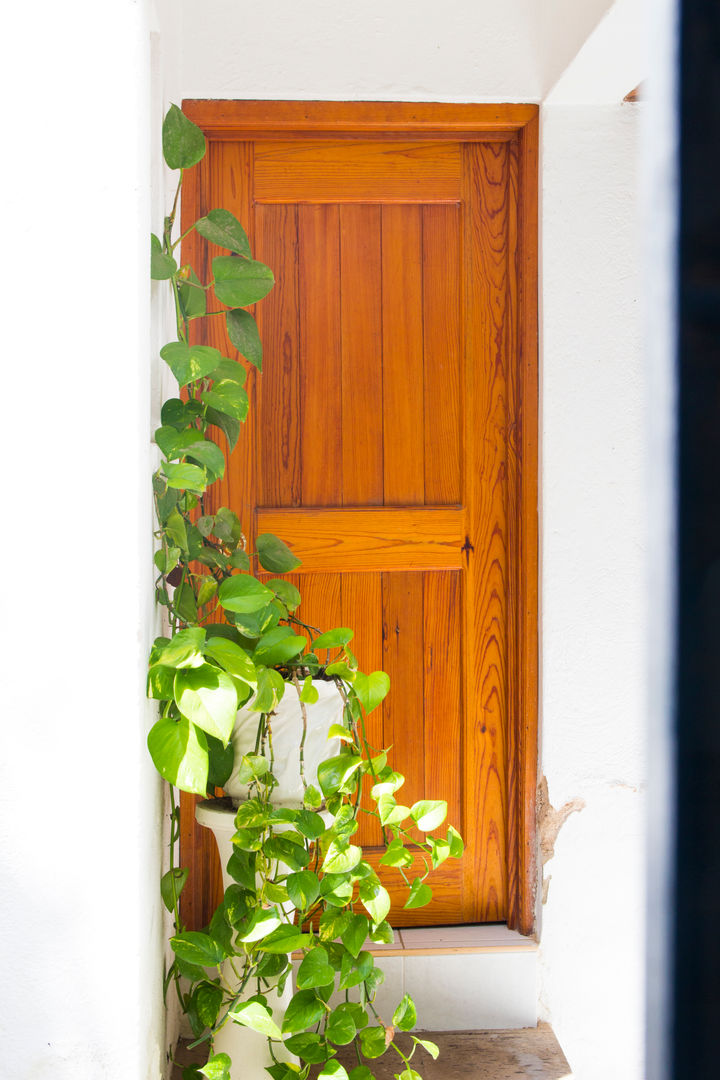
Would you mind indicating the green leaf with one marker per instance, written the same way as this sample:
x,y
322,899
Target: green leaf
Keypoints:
x,y
243,593
171,885
179,752
184,649
383,934
439,851
192,294
335,772
304,1010
332,639
341,1027
309,1046
309,695
254,1015
190,362
278,646
270,691
339,859
208,697
313,797
408,1074
361,1072
388,785
285,591
230,656
229,426
333,924
285,939
426,1044
221,760
183,142
161,681
240,282
315,970
208,999
252,767
309,824
176,529
241,868
263,923
420,894
243,333
216,1068
456,843
341,669
230,369
303,889
390,812
185,477
227,526
228,397
162,266
371,689
333,1070
223,228
274,555
207,453
372,1042
355,933
197,948
405,1016
376,900
429,813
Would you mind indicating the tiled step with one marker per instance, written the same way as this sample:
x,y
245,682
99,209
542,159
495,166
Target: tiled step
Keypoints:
x,y
528,1053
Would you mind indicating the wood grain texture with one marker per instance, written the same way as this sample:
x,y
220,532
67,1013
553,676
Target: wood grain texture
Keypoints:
x,y
490,586
403,660
362,611
279,409
357,172
403,397
441,353
361,322
388,538
320,355
485,611
443,691
230,120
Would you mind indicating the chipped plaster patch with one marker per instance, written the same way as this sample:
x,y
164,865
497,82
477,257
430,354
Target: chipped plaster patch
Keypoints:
x,y
549,822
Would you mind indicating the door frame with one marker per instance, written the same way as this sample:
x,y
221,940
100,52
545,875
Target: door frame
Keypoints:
x,y
223,120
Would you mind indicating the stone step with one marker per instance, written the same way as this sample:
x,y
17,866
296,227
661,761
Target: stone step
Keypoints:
x,y
519,1054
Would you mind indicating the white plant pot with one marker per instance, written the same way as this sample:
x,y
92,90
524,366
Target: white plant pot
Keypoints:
x,y
286,726
247,1049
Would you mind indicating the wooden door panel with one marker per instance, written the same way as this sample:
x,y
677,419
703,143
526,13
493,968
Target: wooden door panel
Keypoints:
x,y
387,442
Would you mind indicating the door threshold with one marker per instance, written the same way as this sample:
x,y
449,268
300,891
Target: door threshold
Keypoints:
x,y
451,940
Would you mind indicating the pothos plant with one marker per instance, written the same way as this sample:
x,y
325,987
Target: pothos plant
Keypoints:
x,y
232,640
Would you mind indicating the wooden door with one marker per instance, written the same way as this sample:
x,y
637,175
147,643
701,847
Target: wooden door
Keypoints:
x,y
386,446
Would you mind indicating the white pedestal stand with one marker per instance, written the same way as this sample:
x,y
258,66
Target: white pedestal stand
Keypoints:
x,y
248,1049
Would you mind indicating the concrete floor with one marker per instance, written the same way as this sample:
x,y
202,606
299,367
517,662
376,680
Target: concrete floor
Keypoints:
x,y
530,1053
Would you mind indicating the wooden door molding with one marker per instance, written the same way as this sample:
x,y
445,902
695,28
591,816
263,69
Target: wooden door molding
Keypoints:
x,y
508,316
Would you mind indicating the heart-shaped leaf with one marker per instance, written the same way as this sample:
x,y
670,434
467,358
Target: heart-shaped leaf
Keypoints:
x,y
223,228
429,813
190,362
371,689
179,753
315,970
243,333
208,697
274,555
240,282
304,1010
183,142
254,1015
243,593
405,1016
420,894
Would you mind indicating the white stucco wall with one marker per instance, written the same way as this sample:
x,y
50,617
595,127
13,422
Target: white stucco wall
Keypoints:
x,y
79,803
594,455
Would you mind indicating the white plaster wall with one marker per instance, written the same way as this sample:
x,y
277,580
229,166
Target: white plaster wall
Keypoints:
x,y
594,456
409,50
79,803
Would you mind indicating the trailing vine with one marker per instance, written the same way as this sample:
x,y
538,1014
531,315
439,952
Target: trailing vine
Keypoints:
x,y
235,641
